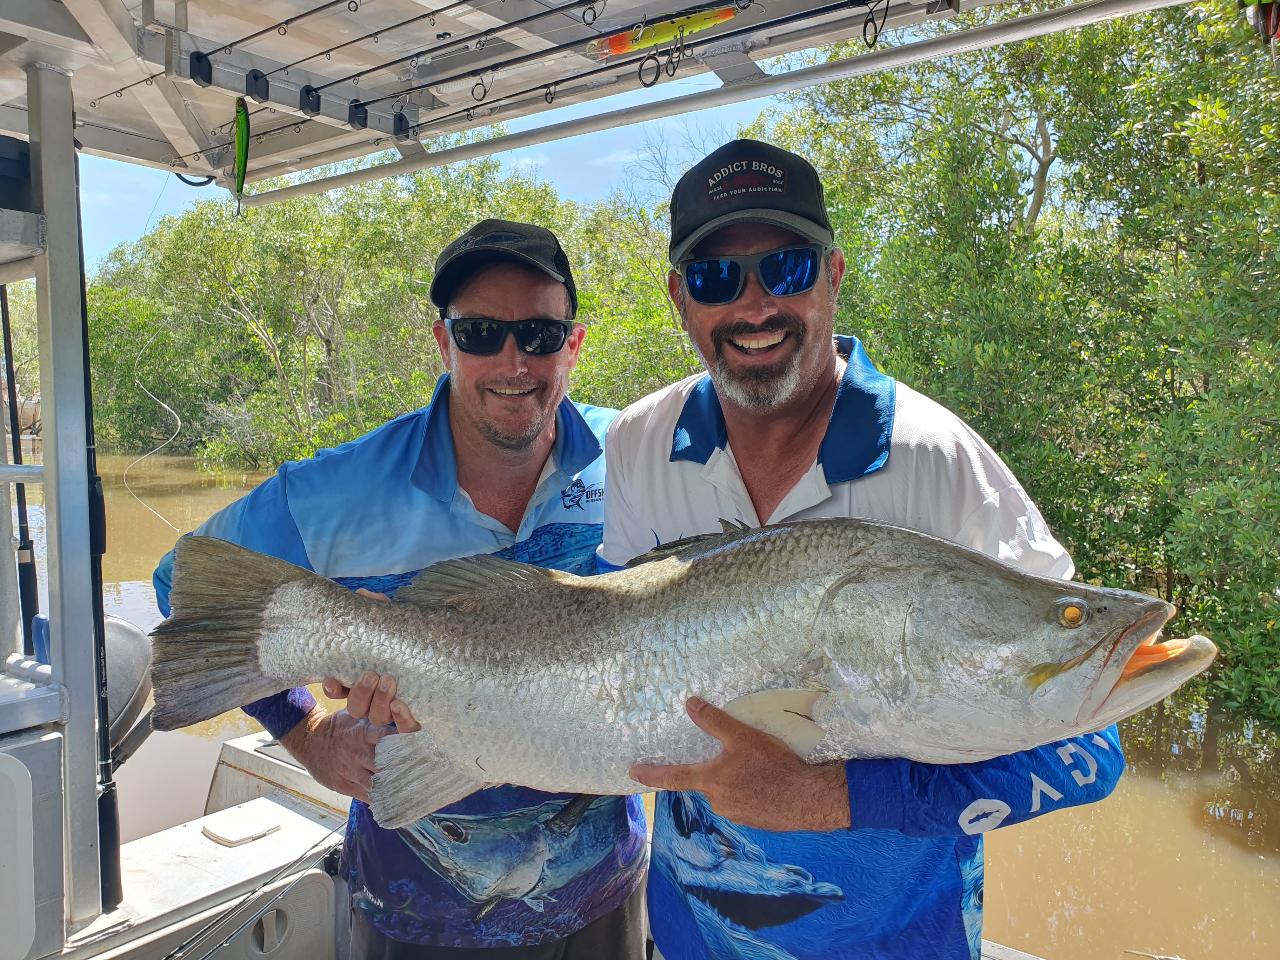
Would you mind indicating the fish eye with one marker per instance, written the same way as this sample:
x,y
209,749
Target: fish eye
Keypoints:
x,y
453,831
1072,611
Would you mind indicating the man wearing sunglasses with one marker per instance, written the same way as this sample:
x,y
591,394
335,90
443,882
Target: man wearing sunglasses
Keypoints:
x,y
755,853
500,461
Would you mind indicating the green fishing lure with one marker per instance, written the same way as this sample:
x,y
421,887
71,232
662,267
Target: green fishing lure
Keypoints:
x,y
242,147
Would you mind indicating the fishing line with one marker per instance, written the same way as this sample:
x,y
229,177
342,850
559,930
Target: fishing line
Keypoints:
x,y
178,429
304,859
163,186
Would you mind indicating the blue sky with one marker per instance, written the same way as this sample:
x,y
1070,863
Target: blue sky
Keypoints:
x,y
121,201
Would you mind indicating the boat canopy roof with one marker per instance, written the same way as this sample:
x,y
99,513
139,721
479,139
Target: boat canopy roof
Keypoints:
x,y
156,81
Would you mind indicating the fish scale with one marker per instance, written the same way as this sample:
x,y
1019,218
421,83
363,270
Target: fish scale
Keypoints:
x,y
846,638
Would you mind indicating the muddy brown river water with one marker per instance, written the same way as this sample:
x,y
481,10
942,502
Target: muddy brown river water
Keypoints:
x,y
1182,861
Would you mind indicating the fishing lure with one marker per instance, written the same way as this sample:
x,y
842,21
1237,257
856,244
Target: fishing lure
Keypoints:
x,y
645,35
242,147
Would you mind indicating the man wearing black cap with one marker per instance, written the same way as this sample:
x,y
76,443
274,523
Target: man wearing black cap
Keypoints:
x,y
755,853
501,461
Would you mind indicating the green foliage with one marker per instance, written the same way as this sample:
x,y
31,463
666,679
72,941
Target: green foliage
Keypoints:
x,y
635,342
1073,242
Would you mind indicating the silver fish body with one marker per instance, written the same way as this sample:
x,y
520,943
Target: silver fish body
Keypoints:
x,y
847,638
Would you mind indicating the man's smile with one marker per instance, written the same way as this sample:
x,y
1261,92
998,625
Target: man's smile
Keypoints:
x,y
509,392
755,344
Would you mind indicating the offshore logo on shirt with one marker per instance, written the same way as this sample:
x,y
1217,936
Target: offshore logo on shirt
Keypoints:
x,y
578,493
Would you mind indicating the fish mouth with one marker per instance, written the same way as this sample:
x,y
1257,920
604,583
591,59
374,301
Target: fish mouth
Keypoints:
x,y
1140,668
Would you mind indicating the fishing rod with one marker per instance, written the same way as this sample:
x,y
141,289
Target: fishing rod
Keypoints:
x,y
430,16
674,58
28,592
281,27
871,30
373,35
681,50
481,39
310,94
299,864
494,68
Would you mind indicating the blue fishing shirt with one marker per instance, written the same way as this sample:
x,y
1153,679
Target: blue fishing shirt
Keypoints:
x,y
371,513
906,880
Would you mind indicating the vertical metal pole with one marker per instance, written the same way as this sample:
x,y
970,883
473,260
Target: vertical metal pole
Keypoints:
x,y
28,592
62,390
10,605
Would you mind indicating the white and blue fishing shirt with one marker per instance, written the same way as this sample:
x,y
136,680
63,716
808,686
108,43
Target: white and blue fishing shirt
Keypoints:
x,y
906,879
371,513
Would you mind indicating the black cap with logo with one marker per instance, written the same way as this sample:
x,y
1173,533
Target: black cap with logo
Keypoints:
x,y
493,241
747,180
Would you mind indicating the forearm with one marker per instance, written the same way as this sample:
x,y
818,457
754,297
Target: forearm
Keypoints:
x,y
300,736
280,713
923,799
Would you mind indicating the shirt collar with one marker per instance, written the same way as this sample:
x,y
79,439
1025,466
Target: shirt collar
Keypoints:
x,y
858,434
436,471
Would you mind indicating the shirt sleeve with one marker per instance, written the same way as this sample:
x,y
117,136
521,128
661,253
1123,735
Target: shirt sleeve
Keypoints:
x,y
922,799
261,521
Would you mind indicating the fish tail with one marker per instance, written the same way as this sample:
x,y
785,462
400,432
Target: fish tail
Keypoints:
x,y
204,658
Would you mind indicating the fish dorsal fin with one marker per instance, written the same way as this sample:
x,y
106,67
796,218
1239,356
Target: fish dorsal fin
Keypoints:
x,y
453,582
688,547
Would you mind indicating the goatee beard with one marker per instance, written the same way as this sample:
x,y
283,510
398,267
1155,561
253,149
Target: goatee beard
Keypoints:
x,y
757,388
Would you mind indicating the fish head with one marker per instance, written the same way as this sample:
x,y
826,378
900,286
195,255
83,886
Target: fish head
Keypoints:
x,y
485,857
1121,666
977,657
1083,656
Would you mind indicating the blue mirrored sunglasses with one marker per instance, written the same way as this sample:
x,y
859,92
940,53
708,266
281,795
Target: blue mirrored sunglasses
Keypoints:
x,y
783,273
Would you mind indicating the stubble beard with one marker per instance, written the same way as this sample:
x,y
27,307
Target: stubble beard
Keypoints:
x,y
521,439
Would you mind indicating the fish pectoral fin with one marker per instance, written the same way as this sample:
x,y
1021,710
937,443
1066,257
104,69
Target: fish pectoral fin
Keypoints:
x,y
786,714
414,779
454,582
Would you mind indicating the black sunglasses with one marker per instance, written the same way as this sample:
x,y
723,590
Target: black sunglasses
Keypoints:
x,y
485,336
783,273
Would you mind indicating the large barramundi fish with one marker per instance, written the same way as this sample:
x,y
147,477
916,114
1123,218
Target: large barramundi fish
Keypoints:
x,y
846,638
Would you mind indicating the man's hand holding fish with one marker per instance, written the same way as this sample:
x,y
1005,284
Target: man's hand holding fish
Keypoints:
x,y
756,779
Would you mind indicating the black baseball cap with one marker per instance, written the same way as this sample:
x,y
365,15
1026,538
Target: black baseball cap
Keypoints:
x,y
747,180
493,241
